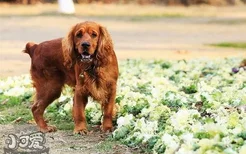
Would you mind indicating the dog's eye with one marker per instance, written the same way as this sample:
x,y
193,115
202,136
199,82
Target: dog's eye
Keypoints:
x,y
94,35
79,35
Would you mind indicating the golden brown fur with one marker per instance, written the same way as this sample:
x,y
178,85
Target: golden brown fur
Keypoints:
x,y
85,60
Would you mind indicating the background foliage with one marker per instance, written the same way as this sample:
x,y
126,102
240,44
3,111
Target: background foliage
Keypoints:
x,y
164,2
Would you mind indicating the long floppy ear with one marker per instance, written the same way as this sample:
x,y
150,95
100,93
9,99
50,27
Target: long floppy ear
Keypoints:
x,y
105,46
68,48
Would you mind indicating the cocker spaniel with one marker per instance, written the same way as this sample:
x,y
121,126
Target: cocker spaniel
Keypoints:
x,y
85,60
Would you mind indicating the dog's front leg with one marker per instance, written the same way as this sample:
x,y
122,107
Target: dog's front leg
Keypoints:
x,y
109,110
80,101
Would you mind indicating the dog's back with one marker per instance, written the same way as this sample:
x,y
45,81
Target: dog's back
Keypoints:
x,y
48,52
47,62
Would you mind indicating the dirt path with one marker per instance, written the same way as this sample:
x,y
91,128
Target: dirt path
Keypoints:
x,y
165,38
64,142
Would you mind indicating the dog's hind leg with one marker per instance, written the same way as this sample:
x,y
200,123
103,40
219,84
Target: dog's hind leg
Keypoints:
x,y
46,93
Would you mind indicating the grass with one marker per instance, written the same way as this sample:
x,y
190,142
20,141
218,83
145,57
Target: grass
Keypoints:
x,y
18,110
228,21
105,146
14,109
109,145
138,17
240,45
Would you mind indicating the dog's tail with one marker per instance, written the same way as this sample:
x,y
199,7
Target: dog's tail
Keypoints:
x,y
30,47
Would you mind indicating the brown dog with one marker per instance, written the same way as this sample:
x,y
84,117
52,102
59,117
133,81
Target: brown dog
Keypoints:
x,y
85,60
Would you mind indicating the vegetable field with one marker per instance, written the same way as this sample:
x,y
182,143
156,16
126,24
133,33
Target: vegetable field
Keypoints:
x,y
183,107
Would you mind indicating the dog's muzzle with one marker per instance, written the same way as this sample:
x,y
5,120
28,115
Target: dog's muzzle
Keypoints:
x,y
86,57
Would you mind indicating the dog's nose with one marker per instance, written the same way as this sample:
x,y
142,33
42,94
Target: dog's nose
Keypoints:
x,y
85,44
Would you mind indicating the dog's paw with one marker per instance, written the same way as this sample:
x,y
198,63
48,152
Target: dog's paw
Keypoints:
x,y
107,125
48,129
106,129
83,131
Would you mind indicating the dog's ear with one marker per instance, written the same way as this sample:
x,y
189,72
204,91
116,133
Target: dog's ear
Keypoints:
x,y
68,48
105,46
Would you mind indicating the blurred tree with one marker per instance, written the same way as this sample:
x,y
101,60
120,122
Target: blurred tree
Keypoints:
x,y
22,1
165,2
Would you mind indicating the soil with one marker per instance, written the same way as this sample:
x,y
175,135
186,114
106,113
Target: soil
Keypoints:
x,y
134,37
64,142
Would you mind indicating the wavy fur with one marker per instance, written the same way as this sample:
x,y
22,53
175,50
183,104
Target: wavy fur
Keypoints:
x,y
68,48
60,61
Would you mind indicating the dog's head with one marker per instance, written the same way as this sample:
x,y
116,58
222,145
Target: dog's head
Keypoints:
x,y
86,41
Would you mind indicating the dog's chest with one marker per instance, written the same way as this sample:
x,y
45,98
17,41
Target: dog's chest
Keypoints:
x,y
92,84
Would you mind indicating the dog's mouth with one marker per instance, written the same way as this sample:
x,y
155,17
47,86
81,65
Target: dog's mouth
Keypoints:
x,y
86,57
